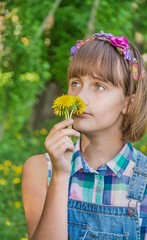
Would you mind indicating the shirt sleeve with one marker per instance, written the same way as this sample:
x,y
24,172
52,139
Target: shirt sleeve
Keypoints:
x,y
49,164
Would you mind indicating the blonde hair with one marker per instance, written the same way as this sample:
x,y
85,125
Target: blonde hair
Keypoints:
x,y
100,58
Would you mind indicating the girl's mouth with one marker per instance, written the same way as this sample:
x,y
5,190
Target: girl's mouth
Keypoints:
x,y
84,114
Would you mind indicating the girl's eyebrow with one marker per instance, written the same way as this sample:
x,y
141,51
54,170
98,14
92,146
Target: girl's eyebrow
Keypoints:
x,y
98,78
101,80
75,79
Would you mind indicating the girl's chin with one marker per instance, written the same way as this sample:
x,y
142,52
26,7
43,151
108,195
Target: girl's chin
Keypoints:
x,y
79,127
82,123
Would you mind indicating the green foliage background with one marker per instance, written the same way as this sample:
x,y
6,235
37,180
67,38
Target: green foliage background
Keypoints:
x,y
33,54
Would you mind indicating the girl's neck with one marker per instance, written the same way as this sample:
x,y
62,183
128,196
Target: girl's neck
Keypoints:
x,y
98,151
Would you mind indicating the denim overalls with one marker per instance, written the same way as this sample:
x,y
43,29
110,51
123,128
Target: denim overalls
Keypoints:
x,y
105,222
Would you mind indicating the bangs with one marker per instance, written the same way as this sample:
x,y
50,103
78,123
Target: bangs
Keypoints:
x,y
98,59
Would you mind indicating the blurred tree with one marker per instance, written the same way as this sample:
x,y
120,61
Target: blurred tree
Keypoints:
x,y
24,62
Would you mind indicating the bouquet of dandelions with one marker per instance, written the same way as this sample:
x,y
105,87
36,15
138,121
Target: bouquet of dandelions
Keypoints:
x,y
66,105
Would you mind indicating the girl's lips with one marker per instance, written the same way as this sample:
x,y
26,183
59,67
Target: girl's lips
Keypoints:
x,y
85,114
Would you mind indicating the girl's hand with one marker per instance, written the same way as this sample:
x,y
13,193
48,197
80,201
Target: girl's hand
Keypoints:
x,y
60,147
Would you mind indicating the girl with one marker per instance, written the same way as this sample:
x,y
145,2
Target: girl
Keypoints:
x,y
95,189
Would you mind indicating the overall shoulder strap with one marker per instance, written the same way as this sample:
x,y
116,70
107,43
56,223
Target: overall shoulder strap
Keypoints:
x,y
138,180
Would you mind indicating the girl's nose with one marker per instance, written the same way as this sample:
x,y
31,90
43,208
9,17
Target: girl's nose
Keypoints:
x,y
84,96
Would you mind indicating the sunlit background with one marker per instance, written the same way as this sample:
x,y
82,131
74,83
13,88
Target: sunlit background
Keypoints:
x,y
35,39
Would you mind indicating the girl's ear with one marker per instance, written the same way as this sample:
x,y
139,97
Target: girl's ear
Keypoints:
x,y
128,103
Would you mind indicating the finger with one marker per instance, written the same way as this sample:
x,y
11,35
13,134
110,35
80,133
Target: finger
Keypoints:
x,y
61,125
53,148
62,148
63,132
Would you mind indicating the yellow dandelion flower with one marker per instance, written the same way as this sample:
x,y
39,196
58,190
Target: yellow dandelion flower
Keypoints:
x,y
1,167
6,171
67,105
143,148
16,180
79,106
17,204
24,239
17,169
7,222
7,163
2,181
61,104
43,131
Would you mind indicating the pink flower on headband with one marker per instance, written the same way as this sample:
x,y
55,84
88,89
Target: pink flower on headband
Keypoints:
x,y
120,42
122,45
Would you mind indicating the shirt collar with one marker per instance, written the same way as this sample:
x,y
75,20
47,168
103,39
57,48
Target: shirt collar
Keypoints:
x,y
118,164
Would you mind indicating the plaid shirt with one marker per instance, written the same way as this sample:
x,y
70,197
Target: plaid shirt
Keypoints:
x,y
109,184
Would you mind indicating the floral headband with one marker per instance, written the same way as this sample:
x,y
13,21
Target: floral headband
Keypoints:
x,y
120,42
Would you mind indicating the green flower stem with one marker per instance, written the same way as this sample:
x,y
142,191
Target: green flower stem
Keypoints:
x,y
71,113
67,116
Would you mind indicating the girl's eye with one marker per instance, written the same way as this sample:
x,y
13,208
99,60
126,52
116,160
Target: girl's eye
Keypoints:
x,y
75,84
100,87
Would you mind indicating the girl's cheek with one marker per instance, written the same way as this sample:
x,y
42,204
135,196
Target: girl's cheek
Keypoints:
x,y
72,91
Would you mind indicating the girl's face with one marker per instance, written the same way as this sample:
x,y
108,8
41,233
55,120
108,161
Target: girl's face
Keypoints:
x,y
105,105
